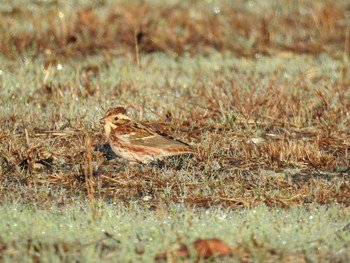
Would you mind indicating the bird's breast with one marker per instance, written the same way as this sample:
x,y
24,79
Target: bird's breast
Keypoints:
x,y
108,129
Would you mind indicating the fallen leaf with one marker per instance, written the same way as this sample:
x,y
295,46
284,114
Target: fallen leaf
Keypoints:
x,y
203,248
211,247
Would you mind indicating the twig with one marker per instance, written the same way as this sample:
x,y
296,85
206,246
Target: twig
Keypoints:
x,y
88,175
137,52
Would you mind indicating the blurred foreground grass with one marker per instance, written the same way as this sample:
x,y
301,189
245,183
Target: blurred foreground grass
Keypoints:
x,y
137,234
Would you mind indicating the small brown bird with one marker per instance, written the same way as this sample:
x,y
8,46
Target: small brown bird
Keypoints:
x,y
136,142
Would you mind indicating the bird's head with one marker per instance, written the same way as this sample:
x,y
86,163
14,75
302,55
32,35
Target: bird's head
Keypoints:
x,y
115,117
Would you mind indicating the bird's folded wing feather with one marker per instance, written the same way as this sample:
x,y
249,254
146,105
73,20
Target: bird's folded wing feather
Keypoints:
x,y
149,137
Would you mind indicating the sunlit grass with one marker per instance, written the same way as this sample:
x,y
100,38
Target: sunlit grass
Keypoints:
x,y
117,231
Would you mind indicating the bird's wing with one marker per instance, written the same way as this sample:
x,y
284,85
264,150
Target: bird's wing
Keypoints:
x,y
143,135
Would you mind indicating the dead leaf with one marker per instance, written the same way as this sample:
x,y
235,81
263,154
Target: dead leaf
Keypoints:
x,y
203,248
211,247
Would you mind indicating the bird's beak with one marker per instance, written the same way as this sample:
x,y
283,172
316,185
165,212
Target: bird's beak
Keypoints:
x,y
102,121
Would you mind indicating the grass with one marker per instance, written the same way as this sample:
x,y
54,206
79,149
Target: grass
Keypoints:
x,y
177,27
265,103
235,146
259,234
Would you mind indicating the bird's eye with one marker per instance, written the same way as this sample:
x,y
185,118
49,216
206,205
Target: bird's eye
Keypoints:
x,y
116,118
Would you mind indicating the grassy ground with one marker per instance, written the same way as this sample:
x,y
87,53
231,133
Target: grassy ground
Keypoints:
x,y
136,234
265,103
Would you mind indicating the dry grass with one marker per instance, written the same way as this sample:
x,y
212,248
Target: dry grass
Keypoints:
x,y
100,27
270,146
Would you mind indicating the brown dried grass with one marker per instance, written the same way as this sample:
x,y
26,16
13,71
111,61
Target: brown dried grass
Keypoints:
x,y
309,28
241,133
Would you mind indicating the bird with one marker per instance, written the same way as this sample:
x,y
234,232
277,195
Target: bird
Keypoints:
x,y
137,142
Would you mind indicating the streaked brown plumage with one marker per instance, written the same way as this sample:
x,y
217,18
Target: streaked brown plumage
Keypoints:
x,y
137,142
